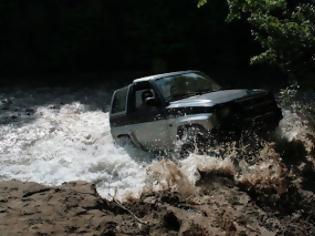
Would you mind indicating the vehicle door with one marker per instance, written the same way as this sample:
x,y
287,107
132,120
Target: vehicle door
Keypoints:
x,y
149,126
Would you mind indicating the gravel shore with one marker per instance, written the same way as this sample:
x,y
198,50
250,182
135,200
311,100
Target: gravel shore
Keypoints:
x,y
220,207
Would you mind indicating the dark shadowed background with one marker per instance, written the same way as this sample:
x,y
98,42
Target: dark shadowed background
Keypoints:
x,y
80,41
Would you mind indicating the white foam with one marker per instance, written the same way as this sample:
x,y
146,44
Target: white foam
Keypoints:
x,y
69,143
68,138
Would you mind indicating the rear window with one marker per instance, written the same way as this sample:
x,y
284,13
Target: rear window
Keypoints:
x,y
119,101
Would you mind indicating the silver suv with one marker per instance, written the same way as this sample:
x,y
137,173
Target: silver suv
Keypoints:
x,y
158,112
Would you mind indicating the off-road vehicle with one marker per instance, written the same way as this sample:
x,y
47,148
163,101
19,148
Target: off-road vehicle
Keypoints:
x,y
158,112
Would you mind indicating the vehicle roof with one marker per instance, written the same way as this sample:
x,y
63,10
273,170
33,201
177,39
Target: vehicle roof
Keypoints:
x,y
158,76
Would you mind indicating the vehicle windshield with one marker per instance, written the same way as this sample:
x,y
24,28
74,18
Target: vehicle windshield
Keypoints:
x,y
185,85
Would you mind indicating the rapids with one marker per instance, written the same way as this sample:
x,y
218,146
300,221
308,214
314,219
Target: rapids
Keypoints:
x,y
52,135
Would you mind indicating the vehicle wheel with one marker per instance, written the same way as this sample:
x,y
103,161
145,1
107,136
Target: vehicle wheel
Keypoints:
x,y
124,140
191,139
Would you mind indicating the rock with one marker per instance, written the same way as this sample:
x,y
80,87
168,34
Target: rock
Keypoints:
x,y
81,187
76,208
52,107
195,229
3,209
171,198
150,200
3,199
29,110
34,189
5,108
110,228
171,221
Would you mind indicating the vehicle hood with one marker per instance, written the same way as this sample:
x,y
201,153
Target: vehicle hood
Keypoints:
x,y
214,98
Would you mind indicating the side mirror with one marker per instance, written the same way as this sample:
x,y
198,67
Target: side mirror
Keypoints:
x,y
151,101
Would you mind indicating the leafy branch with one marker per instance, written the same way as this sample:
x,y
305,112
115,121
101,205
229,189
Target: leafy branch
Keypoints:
x,y
285,31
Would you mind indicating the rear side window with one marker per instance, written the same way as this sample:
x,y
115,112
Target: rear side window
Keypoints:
x,y
119,101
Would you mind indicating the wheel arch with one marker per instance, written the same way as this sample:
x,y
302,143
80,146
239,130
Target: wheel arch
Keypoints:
x,y
182,127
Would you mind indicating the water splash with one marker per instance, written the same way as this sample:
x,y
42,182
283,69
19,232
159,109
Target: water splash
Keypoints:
x,y
56,135
65,142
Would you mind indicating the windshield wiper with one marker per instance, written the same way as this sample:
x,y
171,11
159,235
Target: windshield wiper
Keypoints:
x,y
180,96
203,91
187,94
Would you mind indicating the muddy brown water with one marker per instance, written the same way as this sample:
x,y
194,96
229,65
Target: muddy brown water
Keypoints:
x,y
56,135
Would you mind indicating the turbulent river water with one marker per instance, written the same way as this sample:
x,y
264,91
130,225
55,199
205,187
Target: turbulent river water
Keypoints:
x,y
53,135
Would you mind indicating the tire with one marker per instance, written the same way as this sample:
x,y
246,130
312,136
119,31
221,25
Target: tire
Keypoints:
x,y
124,140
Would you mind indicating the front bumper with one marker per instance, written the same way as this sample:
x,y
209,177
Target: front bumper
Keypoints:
x,y
264,115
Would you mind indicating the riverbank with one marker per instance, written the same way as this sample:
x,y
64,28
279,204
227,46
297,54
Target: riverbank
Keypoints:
x,y
49,136
219,207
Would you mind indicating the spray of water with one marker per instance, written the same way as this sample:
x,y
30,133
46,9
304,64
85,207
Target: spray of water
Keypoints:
x,y
56,135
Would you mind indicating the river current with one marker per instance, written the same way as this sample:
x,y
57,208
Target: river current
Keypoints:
x,y
52,135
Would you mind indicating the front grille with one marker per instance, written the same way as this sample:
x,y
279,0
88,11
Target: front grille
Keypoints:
x,y
255,111
254,108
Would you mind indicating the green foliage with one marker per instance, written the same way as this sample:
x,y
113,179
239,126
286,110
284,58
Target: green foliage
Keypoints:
x,y
237,7
201,3
285,30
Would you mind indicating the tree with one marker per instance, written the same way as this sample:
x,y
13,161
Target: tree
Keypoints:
x,y
285,30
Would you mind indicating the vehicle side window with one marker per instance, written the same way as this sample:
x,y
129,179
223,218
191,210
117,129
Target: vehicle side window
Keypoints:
x,y
119,101
139,102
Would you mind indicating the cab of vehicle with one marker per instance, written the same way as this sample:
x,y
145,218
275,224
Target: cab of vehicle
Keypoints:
x,y
157,112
